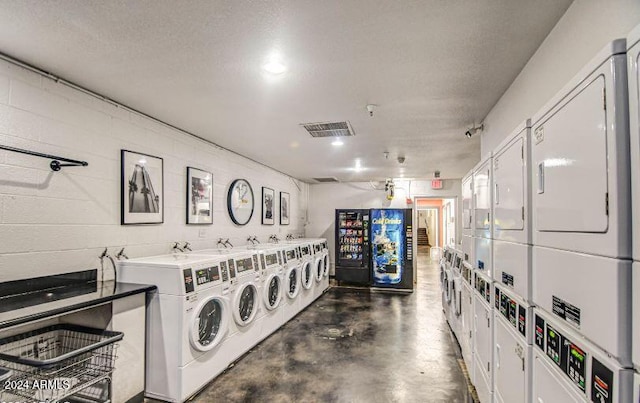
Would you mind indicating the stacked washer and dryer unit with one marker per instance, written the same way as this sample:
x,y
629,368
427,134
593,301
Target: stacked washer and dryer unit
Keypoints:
x,y
633,58
560,259
581,257
466,340
483,318
513,312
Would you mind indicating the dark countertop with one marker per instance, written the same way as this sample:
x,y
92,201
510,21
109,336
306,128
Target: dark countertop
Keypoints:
x,y
25,308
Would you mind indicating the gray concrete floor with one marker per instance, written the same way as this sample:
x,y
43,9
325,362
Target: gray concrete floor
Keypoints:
x,y
352,345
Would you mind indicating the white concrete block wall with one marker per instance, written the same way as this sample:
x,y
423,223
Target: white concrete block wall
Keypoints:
x,y
55,222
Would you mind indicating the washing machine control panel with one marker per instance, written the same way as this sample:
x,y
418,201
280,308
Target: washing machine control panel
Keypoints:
x,y
232,269
305,251
511,310
568,356
317,248
244,264
207,275
483,288
290,254
270,259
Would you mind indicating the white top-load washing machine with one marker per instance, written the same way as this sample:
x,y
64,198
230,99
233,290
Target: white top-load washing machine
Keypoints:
x,y
567,368
483,216
633,57
483,343
581,204
188,322
513,339
512,213
292,283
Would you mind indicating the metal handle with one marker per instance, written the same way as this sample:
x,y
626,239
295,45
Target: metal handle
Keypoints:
x,y
541,177
497,195
497,355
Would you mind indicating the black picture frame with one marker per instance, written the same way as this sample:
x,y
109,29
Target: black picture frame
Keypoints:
x,y
285,208
141,203
240,207
268,206
199,194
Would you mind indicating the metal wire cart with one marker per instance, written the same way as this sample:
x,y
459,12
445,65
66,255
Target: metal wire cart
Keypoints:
x,y
58,362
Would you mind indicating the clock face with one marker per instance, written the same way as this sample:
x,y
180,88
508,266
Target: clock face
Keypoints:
x,y
240,202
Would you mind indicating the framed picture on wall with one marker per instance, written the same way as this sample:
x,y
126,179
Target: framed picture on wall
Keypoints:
x,y
285,208
142,188
199,196
268,206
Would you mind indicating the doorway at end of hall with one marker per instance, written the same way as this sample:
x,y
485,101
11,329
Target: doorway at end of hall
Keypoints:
x,y
436,223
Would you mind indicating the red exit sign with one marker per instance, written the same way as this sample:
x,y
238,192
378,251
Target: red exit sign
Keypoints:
x,y
436,184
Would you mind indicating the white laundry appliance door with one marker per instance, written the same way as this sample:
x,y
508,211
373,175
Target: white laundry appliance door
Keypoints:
x,y
570,156
633,56
319,268
483,339
466,333
307,275
510,178
635,292
580,162
549,385
272,292
246,304
512,361
209,324
482,200
467,206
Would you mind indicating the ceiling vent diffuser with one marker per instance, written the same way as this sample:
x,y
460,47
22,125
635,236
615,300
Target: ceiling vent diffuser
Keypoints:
x,y
326,180
329,129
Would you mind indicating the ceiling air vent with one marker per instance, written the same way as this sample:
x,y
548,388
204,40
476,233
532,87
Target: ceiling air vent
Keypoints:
x,y
326,180
329,129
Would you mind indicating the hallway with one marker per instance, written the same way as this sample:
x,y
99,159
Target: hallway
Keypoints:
x,y
354,346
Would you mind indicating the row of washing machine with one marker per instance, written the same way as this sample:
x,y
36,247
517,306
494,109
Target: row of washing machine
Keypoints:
x,y
546,284
212,306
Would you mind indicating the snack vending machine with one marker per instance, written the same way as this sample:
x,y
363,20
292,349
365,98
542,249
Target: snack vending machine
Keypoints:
x,y
352,246
391,234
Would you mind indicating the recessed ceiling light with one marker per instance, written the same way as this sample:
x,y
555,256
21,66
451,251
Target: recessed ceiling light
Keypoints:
x,y
337,142
275,67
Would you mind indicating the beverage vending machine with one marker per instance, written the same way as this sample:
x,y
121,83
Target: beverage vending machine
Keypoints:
x,y
391,239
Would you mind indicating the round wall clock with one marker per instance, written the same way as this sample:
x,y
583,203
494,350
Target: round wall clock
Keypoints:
x,y
240,202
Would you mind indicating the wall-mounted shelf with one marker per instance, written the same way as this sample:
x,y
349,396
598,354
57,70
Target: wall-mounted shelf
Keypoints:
x,y
56,162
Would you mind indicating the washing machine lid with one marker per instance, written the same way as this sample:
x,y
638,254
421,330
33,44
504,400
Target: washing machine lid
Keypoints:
x,y
209,326
172,261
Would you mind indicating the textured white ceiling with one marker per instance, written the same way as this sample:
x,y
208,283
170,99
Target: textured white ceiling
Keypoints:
x,y
434,68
